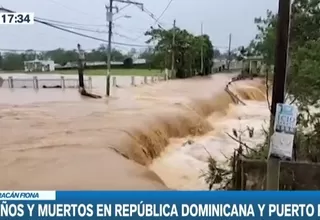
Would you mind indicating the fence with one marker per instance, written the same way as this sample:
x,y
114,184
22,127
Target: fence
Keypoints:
x,y
37,83
250,174
135,82
62,82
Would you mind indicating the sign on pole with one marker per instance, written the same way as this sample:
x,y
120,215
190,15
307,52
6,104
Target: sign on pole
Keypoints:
x,y
281,143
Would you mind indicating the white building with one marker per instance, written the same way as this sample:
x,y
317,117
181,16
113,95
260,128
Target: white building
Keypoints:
x,y
39,66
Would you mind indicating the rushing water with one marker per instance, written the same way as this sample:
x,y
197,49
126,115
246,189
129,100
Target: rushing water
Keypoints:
x,y
55,139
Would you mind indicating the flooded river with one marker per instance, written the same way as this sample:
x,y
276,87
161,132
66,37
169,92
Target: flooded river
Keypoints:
x,y
56,139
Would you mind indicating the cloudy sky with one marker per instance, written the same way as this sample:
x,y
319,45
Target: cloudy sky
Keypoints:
x,y
219,17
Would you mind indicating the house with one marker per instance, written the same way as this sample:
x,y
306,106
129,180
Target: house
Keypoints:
x,y
253,64
39,65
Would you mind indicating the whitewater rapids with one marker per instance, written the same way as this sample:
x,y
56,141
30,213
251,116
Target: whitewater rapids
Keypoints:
x,y
55,139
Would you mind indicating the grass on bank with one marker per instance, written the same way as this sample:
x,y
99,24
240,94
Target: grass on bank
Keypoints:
x,y
118,72
99,72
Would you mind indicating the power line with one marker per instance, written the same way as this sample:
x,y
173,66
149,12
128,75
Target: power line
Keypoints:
x,y
151,15
164,11
95,31
72,9
72,23
156,20
122,8
87,36
85,25
76,33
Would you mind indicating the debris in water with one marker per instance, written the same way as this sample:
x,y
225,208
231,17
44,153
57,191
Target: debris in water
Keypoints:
x,y
188,142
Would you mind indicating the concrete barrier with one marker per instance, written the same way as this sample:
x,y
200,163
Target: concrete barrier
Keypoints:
x,y
114,81
133,81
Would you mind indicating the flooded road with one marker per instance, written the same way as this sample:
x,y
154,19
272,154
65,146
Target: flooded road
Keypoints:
x,y
55,139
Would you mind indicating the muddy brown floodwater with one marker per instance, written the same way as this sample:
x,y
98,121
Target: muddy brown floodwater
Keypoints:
x,y
54,139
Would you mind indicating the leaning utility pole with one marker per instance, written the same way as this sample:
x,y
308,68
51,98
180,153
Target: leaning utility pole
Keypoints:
x,y
110,21
172,49
279,81
201,70
229,52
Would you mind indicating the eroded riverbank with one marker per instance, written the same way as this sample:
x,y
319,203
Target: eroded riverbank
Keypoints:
x,y
93,144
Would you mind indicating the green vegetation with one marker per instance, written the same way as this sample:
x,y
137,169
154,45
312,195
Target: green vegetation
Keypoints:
x,y
187,50
303,84
118,72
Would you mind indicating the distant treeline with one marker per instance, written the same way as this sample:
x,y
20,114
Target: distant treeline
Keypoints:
x,y
15,61
115,66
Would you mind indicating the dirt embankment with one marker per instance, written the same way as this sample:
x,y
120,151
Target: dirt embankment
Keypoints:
x,y
91,145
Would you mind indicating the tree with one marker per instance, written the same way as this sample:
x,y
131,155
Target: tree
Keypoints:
x,y
132,52
303,83
265,40
128,62
13,61
147,54
187,50
216,53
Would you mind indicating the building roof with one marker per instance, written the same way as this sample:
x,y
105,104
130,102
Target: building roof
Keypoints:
x,y
39,61
254,58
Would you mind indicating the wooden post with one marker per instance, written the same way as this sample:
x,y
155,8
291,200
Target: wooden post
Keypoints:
x,y
279,80
35,82
63,83
145,80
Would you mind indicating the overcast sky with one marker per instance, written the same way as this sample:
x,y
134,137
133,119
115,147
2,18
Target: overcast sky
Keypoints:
x,y
219,17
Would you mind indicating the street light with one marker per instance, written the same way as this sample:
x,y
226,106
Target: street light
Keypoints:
x,y
123,16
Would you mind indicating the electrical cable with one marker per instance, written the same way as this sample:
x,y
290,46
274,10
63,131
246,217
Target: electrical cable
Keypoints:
x,y
73,9
164,11
156,19
85,25
76,33
72,23
95,31
122,8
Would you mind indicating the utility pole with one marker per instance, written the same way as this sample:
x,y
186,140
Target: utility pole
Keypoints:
x,y
279,81
110,23
172,49
81,60
229,51
201,70
109,20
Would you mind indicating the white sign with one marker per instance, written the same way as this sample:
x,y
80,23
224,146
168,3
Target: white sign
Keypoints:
x,y
81,55
281,142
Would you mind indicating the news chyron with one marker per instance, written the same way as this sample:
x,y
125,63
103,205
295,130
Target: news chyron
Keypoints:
x,y
15,203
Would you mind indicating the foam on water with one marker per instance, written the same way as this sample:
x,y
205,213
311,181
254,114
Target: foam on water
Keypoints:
x,y
77,143
180,166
